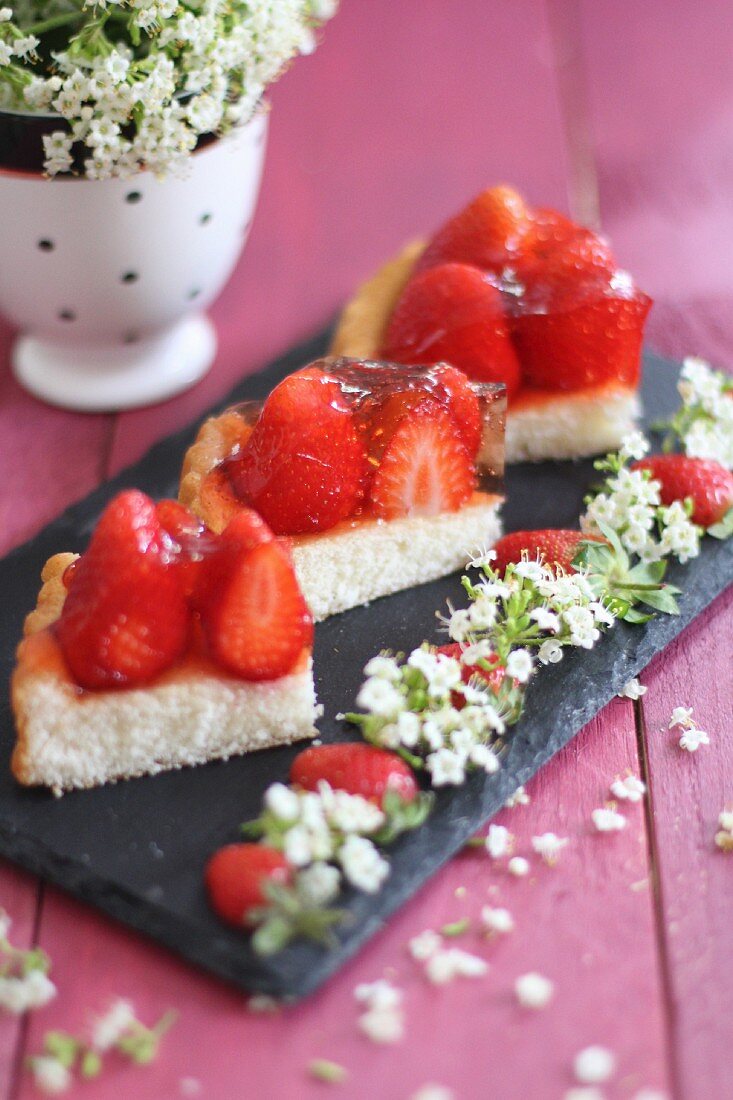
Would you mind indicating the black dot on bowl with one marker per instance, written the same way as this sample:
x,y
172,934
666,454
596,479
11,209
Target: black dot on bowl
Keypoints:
x,y
130,277
205,219
131,338
67,315
46,245
195,292
133,196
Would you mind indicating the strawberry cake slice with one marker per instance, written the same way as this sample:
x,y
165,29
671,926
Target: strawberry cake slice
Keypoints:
x,y
378,477
516,295
163,645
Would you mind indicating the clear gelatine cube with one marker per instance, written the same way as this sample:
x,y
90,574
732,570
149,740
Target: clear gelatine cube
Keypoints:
x,y
368,385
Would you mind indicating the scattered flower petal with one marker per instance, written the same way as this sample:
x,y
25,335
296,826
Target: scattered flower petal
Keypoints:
x,y
549,846
633,690
607,820
628,789
496,921
533,990
593,1065
518,866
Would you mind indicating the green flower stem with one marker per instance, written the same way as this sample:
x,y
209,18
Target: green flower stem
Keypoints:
x,y
55,21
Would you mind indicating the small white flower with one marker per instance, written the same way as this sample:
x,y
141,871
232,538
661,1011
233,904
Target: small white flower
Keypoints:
x,y
13,997
499,921
433,1092
519,665
499,841
362,864
383,668
6,15
282,801
484,757
628,789
634,445
632,690
594,1065
725,820
50,1075
39,989
550,652
681,716
378,696
519,798
426,944
107,1030
546,620
724,840
533,990
318,884
447,768
383,1025
549,846
443,966
607,820
378,994
518,866
531,570
692,738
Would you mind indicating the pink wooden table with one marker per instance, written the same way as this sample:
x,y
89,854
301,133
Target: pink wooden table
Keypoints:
x,y
405,111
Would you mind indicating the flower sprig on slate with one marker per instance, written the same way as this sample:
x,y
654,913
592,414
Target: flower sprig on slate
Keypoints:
x,y
703,425
24,980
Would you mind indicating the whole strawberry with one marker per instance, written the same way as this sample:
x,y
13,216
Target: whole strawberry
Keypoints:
x,y
557,547
356,768
125,618
236,880
708,483
494,679
487,233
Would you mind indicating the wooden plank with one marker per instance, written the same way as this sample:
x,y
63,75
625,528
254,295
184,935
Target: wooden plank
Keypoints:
x,y
688,792
587,924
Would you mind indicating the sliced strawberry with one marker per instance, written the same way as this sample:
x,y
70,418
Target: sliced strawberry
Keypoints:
x,y
304,465
454,314
463,403
125,618
562,274
487,233
582,335
708,483
556,546
253,614
425,468
494,679
356,768
236,880
190,541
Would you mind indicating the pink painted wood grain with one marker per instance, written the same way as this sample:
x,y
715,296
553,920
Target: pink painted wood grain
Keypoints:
x,y
587,924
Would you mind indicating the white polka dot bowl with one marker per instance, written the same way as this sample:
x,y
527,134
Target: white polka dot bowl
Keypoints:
x,y
107,281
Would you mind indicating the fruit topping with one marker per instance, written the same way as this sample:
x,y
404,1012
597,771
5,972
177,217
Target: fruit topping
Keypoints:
x,y
236,880
454,313
488,232
356,768
464,403
494,679
557,547
253,614
304,465
707,483
125,617
522,296
425,467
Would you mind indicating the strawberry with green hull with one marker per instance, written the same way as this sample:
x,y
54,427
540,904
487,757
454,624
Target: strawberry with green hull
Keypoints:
x,y
355,768
706,483
556,547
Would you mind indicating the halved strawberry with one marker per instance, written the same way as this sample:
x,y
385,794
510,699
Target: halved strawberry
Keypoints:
x,y
354,767
236,879
425,468
556,546
454,314
190,541
561,274
487,233
584,334
125,617
463,403
304,465
253,614
708,483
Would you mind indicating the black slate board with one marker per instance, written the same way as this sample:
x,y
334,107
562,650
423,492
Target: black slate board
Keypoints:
x,y
136,850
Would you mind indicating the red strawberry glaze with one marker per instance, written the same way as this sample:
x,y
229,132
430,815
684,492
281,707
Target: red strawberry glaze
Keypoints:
x,y
348,414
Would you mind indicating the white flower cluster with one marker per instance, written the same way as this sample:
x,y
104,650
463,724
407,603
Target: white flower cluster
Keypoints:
x,y
142,80
631,505
608,820
632,690
412,706
313,828
383,1018
705,421
628,789
443,964
24,984
691,736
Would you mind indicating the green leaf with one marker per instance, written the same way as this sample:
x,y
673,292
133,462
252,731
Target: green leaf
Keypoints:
x,y
271,936
62,1046
91,1064
456,927
662,600
633,615
322,1069
723,529
402,816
